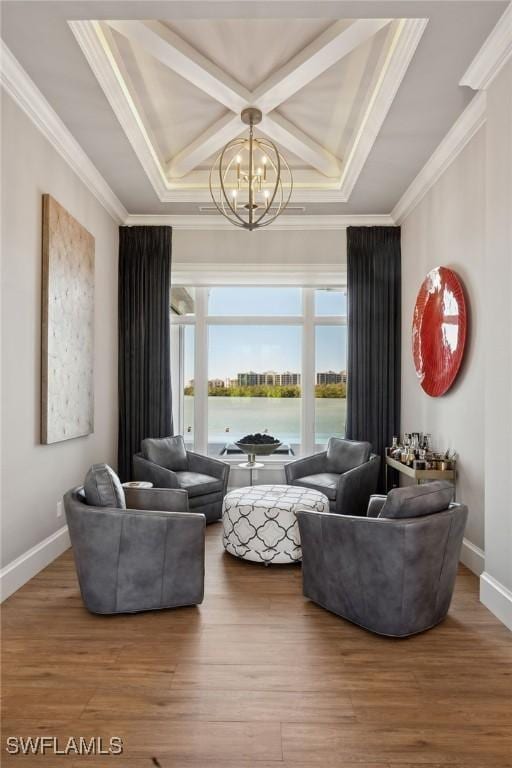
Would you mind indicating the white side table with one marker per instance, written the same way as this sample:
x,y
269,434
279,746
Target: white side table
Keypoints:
x,y
251,466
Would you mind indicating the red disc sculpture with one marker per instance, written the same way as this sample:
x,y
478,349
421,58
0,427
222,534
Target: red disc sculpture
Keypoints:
x,y
439,330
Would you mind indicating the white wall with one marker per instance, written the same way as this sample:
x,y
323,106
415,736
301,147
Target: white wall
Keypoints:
x,y
268,246
35,476
448,228
496,583
465,222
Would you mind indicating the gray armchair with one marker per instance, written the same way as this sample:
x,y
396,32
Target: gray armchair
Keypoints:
x,y
347,473
166,463
392,572
144,557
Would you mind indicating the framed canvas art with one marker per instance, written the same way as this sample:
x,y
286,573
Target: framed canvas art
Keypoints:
x,y
67,349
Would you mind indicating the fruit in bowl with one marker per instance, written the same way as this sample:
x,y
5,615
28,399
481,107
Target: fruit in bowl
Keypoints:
x,y
258,445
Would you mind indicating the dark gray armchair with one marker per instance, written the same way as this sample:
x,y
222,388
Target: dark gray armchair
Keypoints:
x,y
144,557
347,473
392,572
166,463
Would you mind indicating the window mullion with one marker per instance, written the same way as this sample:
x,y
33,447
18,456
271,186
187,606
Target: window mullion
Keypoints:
x,y
181,375
201,373
308,373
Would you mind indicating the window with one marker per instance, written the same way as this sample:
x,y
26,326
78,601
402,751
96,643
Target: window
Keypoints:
x,y
182,380
330,382
330,301
253,359
253,383
254,301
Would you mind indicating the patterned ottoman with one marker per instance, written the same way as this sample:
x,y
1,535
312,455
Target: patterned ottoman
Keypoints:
x,y
260,524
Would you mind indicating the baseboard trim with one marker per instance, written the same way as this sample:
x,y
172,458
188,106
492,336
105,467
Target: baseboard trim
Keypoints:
x,y
497,598
472,557
25,567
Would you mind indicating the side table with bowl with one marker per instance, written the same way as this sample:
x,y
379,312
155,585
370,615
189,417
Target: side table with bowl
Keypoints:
x,y
256,445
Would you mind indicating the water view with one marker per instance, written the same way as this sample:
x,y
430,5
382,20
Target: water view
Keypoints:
x,y
280,416
254,370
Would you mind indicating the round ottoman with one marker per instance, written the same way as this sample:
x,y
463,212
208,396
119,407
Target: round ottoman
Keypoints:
x,y
260,524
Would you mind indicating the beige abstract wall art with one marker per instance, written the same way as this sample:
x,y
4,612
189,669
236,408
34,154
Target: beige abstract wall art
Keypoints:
x,y
67,349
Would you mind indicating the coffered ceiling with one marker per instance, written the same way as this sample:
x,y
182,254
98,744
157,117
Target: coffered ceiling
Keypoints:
x,y
356,95
178,90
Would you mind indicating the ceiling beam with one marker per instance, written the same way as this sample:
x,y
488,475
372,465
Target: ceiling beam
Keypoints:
x,y
328,48
289,136
337,41
274,126
208,143
165,46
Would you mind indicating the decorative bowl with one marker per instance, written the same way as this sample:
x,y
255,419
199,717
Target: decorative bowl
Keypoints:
x,y
258,449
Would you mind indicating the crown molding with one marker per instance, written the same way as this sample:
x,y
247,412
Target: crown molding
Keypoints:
x,y
406,37
462,131
208,274
29,98
100,51
299,195
285,222
492,56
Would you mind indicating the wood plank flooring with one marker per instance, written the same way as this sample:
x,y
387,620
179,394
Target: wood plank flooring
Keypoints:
x,y
255,677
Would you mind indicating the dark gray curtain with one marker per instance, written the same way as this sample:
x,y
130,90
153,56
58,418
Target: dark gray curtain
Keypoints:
x,y
374,336
145,406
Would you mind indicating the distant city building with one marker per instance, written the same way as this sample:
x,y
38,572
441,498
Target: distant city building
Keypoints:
x,y
270,378
288,379
274,379
331,377
249,379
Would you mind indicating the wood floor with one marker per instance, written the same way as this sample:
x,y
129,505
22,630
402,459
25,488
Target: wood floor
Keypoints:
x,y
257,676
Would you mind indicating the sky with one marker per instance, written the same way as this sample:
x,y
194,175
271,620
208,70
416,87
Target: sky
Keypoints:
x,y
272,301
234,349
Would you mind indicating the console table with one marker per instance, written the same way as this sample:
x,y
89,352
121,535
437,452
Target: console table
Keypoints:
x,y
421,475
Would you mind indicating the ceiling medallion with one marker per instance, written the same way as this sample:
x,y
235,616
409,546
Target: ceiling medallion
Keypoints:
x,y
251,182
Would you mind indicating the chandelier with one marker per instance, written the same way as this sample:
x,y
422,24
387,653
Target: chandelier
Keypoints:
x,y
250,181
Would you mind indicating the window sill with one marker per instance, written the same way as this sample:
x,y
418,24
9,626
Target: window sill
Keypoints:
x,y
269,462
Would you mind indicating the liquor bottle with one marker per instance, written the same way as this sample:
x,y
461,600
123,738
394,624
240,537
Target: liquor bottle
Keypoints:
x,y
394,445
404,452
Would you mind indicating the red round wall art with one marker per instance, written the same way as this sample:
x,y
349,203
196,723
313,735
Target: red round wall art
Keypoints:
x,y
439,330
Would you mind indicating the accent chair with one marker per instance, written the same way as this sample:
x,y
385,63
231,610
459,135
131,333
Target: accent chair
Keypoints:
x,y
392,572
347,473
166,463
136,552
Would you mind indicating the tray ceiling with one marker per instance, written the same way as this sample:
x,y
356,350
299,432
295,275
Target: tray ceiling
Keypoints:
x,y
178,90
357,95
